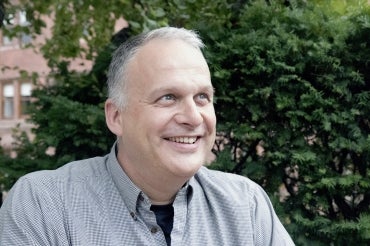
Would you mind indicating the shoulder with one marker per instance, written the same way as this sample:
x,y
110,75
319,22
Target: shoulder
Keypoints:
x,y
75,175
222,179
51,187
230,192
227,184
71,172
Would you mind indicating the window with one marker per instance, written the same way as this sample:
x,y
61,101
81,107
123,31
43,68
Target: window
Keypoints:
x,y
25,37
25,97
15,99
8,23
12,20
8,103
23,18
7,40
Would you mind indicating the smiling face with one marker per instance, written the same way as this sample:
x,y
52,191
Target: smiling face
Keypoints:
x,y
168,126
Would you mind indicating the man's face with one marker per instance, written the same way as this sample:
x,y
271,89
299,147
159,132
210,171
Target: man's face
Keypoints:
x,y
168,127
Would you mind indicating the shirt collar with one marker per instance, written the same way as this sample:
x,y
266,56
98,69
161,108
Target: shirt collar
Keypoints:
x,y
130,193
128,190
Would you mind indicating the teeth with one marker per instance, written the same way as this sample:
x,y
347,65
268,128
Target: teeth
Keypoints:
x,y
187,140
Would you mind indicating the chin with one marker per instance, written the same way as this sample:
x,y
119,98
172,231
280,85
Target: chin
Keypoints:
x,y
186,170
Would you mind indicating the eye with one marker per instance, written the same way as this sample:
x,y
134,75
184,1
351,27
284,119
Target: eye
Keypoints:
x,y
168,97
203,98
166,100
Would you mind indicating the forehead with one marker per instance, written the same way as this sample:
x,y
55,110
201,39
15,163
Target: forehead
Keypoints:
x,y
169,53
167,63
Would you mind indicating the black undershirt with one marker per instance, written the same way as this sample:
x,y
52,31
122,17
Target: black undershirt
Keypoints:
x,y
164,215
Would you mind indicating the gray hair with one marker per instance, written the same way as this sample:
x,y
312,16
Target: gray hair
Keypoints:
x,y
117,73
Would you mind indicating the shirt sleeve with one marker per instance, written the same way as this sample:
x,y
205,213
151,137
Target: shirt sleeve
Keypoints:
x,y
30,215
268,228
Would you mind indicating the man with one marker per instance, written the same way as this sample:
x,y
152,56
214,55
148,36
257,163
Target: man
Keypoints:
x,y
152,189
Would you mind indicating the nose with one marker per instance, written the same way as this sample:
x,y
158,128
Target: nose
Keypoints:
x,y
189,114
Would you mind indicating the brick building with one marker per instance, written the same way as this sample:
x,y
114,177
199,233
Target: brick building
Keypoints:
x,y
15,90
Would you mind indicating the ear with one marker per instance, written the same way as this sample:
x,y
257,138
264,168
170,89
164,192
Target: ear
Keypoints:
x,y
113,118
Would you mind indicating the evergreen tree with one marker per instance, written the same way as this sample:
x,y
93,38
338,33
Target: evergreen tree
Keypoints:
x,y
292,99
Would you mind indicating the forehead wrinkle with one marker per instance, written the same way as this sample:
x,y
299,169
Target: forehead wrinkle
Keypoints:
x,y
174,89
149,52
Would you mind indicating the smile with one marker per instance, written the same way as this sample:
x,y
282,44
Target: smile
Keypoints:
x,y
186,140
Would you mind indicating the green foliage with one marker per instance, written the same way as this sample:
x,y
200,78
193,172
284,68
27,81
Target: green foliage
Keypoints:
x,y
28,159
292,84
299,84
69,119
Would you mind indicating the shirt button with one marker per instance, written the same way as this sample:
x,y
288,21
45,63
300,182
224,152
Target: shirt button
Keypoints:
x,y
154,230
133,215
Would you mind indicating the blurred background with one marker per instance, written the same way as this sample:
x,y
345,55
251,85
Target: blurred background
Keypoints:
x,y
292,84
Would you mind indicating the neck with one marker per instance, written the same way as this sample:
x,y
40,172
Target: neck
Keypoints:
x,y
161,191
160,188
162,202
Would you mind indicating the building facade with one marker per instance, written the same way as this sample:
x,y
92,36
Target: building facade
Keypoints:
x,y
15,89
18,61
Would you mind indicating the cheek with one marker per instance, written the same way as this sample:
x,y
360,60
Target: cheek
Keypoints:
x,y
210,119
155,120
159,117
